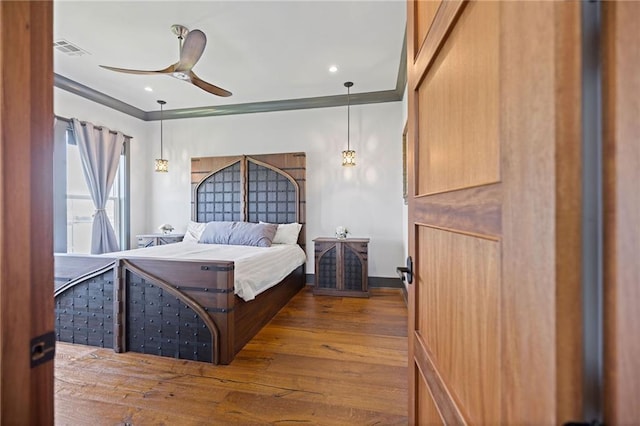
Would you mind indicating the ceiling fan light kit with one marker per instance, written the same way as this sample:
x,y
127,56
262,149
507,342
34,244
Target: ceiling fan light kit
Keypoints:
x,y
191,45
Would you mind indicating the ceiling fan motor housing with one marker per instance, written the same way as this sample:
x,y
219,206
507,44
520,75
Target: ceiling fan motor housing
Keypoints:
x,y
180,30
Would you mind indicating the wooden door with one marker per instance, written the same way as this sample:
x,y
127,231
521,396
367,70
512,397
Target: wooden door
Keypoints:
x,y
494,212
621,101
26,207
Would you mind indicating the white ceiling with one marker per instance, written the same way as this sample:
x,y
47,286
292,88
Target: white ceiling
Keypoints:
x,y
259,50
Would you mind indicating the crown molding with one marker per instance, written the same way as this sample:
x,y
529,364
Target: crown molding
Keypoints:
x,y
394,95
271,106
86,92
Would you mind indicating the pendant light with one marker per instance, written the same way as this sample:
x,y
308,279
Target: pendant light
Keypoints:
x,y
348,156
162,165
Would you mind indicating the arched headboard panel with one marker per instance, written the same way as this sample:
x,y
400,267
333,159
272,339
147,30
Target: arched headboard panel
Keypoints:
x,y
218,197
268,188
271,195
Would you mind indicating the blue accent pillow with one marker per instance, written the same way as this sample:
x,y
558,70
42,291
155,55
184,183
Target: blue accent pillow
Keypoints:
x,y
239,233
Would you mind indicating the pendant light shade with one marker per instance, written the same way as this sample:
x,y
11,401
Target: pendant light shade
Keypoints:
x,y
162,165
349,155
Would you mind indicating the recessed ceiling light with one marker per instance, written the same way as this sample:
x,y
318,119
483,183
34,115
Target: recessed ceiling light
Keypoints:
x,y
148,89
333,68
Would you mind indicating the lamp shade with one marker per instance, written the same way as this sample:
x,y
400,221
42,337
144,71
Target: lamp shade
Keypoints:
x,y
349,157
162,165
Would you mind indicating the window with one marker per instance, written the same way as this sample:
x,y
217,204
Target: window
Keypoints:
x,y
73,206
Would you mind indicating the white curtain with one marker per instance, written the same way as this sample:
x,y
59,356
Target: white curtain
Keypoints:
x,y
100,151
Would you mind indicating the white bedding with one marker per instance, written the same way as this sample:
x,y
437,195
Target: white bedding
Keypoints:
x,y
256,268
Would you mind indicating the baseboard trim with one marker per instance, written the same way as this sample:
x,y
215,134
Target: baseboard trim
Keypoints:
x,y
374,282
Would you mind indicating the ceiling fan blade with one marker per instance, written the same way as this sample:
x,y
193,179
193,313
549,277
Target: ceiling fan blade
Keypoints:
x,y
167,70
208,87
191,51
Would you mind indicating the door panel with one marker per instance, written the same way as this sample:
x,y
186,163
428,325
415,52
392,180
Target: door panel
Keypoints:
x,y
494,92
428,414
425,11
458,316
461,86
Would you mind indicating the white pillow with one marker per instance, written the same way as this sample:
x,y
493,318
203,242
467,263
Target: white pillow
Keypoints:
x,y
194,231
287,233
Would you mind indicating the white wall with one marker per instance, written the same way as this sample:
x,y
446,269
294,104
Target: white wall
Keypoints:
x,y
366,199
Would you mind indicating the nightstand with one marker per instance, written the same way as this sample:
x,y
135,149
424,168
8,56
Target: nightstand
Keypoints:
x,y
341,266
149,240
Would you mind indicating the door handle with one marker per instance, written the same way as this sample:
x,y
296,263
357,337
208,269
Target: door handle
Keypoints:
x,y
406,270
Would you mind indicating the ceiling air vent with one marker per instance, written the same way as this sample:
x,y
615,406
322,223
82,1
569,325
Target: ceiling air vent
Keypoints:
x,y
67,48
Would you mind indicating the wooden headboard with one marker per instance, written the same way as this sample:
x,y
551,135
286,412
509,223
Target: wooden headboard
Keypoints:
x,y
250,188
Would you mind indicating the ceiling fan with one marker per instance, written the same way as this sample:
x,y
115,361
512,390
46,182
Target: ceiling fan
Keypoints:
x,y
190,51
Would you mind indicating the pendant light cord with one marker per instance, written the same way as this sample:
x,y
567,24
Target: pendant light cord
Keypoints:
x,y
161,136
348,119
161,126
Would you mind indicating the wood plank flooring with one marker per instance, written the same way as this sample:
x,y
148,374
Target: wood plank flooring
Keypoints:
x,y
322,360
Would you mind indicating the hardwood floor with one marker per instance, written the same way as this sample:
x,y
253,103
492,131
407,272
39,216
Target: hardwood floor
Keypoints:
x,y
322,360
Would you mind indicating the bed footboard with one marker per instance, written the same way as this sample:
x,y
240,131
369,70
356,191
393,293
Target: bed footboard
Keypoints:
x,y
175,308
181,309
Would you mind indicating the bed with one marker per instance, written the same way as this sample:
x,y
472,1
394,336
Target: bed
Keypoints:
x,y
186,306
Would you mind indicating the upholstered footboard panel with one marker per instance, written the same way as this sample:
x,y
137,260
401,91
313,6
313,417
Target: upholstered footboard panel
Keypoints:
x,y
85,305
160,323
84,312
